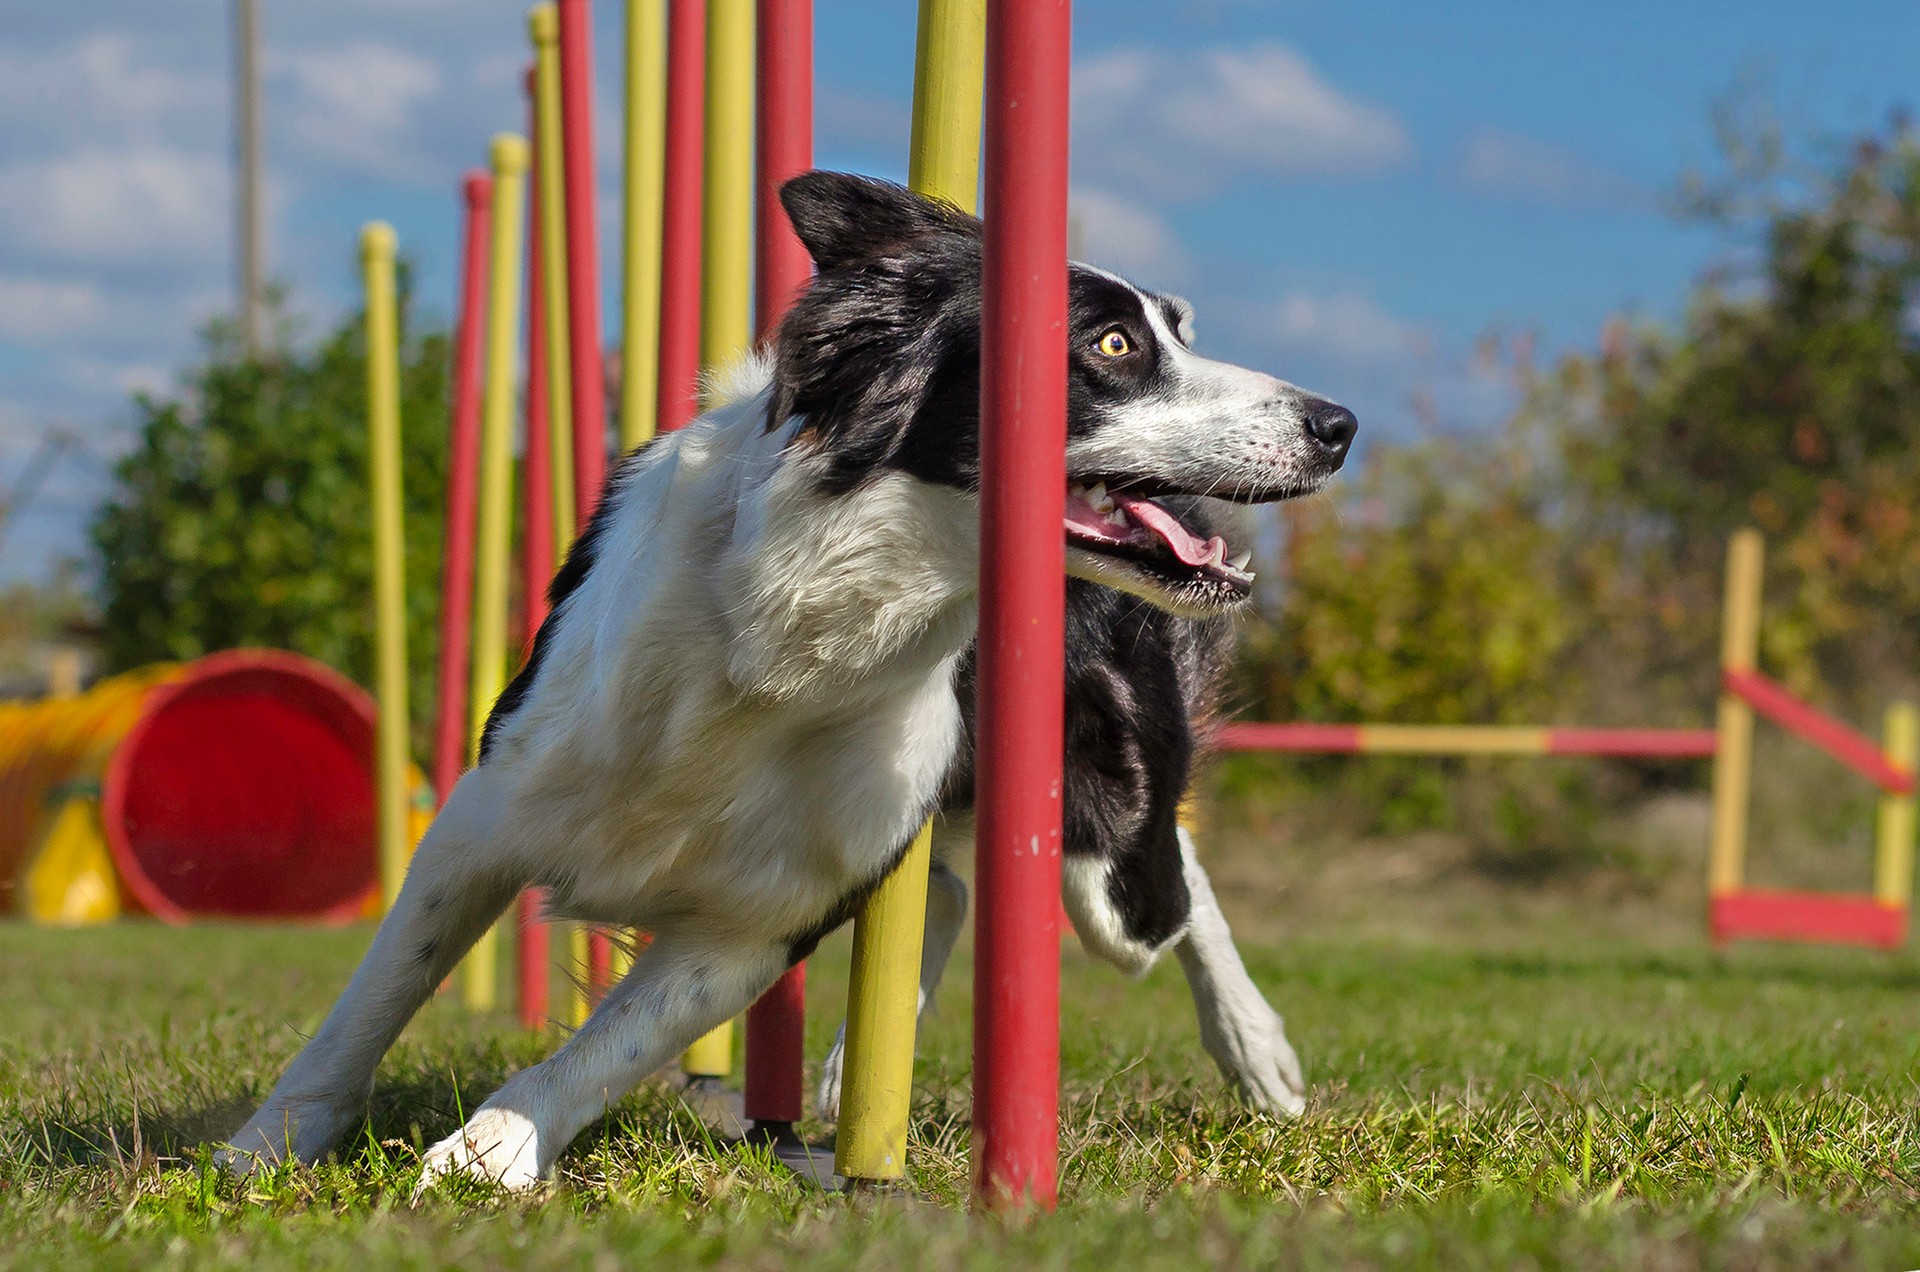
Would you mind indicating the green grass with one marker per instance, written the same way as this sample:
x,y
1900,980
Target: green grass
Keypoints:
x,y
1538,1085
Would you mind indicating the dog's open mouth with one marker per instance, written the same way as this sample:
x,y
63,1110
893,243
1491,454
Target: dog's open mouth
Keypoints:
x,y
1149,535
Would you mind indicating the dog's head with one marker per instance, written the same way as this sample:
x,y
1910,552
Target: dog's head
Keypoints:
x,y
880,358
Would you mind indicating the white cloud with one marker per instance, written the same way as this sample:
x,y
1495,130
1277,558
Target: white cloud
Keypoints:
x,y
1128,237
1179,125
149,203
100,84
1508,163
35,309
358,104
1346,326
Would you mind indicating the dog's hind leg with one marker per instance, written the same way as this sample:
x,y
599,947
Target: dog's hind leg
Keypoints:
x,y
1240,1030
679,987
946,912
456,886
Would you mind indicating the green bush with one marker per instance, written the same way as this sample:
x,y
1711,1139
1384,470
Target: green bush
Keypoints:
x,y
241,516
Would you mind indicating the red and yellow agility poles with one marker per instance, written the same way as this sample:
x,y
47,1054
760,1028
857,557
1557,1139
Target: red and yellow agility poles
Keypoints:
x,y
1734,910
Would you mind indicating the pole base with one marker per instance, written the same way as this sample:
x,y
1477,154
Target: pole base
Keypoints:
x,y
810,1163
714,1103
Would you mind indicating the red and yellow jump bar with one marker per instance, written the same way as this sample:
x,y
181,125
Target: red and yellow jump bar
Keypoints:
x,y
1467,739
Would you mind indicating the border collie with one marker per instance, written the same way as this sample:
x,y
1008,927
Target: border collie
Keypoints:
x,y
741,707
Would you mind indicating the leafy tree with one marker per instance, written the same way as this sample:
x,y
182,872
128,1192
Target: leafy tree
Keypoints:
x,y
242,515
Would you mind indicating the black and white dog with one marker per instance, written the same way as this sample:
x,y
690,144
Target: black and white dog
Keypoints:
x,y
742,706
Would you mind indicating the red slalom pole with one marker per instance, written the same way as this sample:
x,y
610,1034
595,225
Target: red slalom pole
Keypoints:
x,y
533,952
583,317
1023,399
463,467
783,139
583,257
680,230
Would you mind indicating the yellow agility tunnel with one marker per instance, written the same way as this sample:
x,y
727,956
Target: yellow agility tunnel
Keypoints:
x,y
239,785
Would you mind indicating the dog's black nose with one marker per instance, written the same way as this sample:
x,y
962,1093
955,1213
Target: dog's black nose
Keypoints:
x,y
1332,426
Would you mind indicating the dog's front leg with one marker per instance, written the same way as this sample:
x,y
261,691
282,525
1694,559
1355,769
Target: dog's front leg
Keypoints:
x,y
946,911
1240,1030
677,990
455,888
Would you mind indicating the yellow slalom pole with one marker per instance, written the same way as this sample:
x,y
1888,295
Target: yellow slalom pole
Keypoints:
x,y
493,534
883,994
726,321
389,578
543,24
1893,847
1733,752
645,195
883,1000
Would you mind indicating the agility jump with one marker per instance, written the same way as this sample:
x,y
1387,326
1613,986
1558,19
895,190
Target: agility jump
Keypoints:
x,y
1735,912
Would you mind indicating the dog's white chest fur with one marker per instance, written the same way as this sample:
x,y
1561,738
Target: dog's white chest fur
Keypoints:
x,y
747,704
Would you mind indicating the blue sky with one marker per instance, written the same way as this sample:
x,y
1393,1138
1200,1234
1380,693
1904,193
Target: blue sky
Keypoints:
x,y
1352,192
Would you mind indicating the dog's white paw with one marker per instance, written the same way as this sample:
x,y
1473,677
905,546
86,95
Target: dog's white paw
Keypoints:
x,y
498,1145
826,1096
289,1129
1252,1050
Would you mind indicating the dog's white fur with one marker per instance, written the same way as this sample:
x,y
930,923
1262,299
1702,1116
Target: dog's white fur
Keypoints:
x,y
746,711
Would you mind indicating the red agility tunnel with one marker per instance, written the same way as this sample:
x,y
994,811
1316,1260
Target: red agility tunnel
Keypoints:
x,y
244,789
239,785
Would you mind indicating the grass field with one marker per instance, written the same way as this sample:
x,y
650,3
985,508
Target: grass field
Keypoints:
x,y
1500,1080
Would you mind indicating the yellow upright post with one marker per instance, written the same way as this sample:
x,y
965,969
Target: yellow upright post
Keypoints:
x,y
883,999
883,993
1893,846
543,23
1733,752
493,535
645,194
726,321
389,579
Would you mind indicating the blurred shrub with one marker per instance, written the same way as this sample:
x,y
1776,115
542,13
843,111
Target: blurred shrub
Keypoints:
x,y
1568,569
241,516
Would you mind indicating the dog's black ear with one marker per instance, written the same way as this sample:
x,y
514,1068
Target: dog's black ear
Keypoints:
x,y
843,219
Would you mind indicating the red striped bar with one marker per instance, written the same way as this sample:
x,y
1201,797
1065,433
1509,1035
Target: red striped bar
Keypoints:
x,y
1441,739
1835,918
1673,744
1855,750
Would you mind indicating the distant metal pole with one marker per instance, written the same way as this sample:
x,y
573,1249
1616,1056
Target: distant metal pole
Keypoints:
x,y
252,247
1023,403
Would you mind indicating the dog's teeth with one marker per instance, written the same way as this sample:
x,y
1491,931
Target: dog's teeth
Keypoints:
x,y
1218,555
1240,562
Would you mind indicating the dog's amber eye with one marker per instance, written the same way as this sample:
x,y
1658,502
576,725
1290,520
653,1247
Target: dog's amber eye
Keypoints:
x,y
1114,344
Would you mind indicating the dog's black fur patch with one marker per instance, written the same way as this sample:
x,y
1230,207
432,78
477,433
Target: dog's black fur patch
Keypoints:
x,y
1142,688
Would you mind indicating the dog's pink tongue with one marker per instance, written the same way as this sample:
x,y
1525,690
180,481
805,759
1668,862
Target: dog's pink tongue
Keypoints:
x,y
1145,512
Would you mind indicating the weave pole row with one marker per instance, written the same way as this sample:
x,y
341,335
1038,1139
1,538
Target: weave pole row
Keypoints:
x,y
719,114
